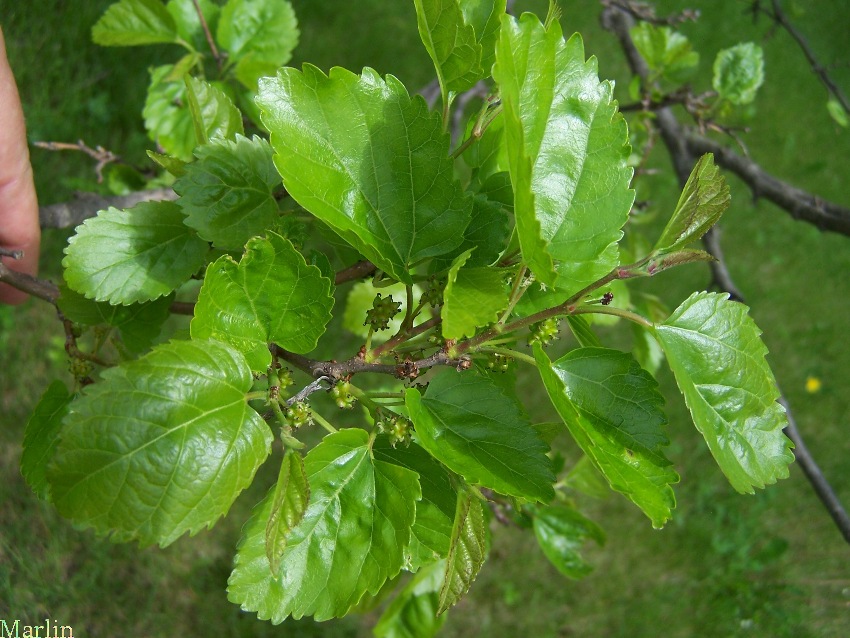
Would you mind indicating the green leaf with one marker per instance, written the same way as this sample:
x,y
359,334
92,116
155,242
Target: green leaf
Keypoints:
x,y
612,391
739,72
183,66
161,446
612,410
133,255
270,296
488,155
176,167
350,541
718,358
567,151
41,436
487,234
259,35
133,22
451,43
668,54
837,113
227,195
432,528
167,117
365,158
561,532
139,324
413,612
703,200
467,423
485,16
582,331
213,113
467,553
188,23
473,298
289,502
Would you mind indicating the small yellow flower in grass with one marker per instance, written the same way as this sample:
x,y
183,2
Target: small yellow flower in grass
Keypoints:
x,y
813,385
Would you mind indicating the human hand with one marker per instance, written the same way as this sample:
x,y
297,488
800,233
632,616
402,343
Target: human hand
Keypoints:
x,y
19,229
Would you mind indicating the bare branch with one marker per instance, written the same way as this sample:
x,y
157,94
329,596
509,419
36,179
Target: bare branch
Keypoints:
x,y
73,213
41,288
14,254
357,271
817,68
207,33
800,204
719,270
99,154
816,478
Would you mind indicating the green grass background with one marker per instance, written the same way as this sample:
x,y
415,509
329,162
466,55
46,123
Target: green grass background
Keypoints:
x,y
727,565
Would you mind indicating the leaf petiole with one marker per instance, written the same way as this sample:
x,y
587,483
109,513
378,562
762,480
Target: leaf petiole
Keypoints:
x,y
617,312
318,418
514,354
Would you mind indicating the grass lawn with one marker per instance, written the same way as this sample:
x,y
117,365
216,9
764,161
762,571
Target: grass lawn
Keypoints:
x,y
767,565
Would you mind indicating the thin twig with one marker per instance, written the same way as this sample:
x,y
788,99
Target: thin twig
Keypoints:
x,y
14,254
817,68
356,271
41,288
309,389
99,154
207,33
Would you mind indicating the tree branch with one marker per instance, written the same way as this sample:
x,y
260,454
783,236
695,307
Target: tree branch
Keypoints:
x,y
684,145
800,204
76,211
817,68
682,153
342,369
41,288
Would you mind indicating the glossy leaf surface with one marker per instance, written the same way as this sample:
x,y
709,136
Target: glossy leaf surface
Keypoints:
x,y
567,151
133,255
350,541
450,42
41,436
289,502
161,445
227,193
133,22
473,298
167,117
589,390
432,529
718,358
561,532
467,552
470,425
367,159
739,72
703,200
271,296
413,612
668,54
213,113
259,35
